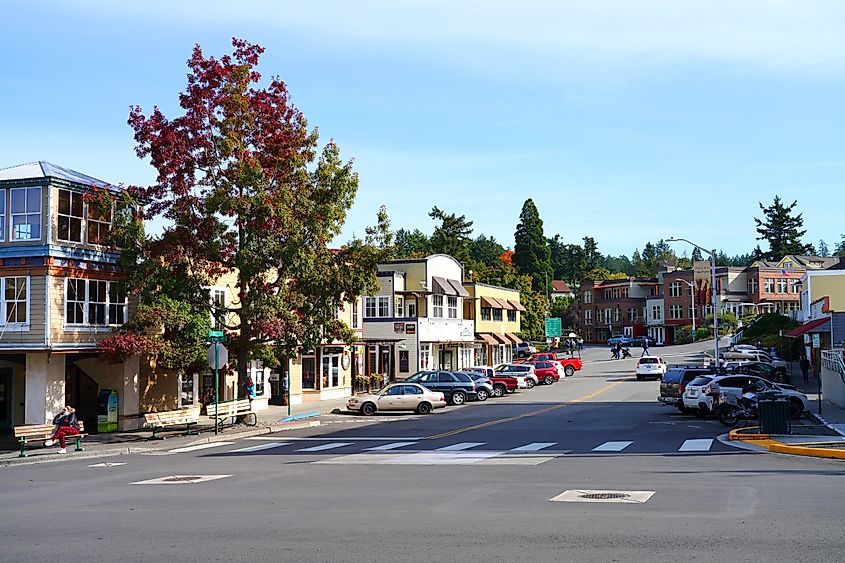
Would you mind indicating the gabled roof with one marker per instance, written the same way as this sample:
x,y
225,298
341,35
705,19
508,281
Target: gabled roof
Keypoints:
x,y
43,169
560,286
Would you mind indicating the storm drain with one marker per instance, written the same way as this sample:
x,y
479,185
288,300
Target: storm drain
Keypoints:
x,y
180,480
629,497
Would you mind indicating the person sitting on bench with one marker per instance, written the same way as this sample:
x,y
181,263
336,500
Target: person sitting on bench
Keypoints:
x,y
66,425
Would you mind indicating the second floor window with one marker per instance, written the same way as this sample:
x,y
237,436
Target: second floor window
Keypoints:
x,y
355,314
437,306
15,297
94,303
99,225
376,307
752,285
218,302
676,312
675,289
769,285
453,307
70,216
588,317
656,313
497,314
588,297
486,314
26,213
632,314
511,316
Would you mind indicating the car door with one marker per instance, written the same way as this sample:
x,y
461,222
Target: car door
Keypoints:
x,y
411,397
429,381
733,386
392,400
446,382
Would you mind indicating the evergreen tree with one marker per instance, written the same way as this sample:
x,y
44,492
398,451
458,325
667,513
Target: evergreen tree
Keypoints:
x,y
822,248
840,247
696,255
592,256
574,265
452,235
485,250
781,229
557,250
531,252
412,244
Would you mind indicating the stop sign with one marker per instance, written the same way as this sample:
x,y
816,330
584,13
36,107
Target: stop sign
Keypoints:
x,y
222,356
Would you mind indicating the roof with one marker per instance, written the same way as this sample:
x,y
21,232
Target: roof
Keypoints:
x,y
807,327
560,286
43,169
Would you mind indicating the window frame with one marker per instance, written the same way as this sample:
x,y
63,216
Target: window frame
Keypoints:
x,y
452,306
26,213
71,218
86,306
3,198
437,306
97,221
4,322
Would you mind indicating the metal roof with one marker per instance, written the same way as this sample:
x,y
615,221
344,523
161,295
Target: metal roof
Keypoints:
x,y
43,169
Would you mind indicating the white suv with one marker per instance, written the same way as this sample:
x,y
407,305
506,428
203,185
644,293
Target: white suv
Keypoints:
x,y
734,385
520,371
650,366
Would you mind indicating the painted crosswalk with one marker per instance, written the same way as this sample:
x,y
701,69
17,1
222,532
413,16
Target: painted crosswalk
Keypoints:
x,y
696,446
391,446
612,446
324,447
199,447
259,448
534,446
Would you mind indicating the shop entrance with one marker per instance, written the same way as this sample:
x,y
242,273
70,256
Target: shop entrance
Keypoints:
x,y
5,398
446,359
81,393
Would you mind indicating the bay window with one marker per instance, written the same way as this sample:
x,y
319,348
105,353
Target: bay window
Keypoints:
x,y
70,216
15,294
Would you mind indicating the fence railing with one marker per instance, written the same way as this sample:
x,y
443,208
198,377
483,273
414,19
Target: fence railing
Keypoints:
x,y
832,360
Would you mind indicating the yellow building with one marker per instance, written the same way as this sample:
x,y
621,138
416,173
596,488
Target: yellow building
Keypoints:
x,y
496,313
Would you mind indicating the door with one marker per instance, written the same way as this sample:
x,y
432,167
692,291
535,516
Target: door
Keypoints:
x,y
81,393
446,359
392,400
5,398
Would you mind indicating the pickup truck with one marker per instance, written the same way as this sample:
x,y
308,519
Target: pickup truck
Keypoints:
x,y
570,365
502,383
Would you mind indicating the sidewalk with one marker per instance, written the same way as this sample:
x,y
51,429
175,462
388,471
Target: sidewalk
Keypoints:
x,y
272,419
831,415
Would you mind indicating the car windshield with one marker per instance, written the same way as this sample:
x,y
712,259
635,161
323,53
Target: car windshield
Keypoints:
x,y
701,381
673,376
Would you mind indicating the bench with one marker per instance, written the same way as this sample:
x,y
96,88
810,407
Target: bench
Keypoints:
x,y
188,416
232,409
43,432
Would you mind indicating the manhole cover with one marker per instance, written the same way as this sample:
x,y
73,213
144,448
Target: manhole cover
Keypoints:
x,y
605,496
180,478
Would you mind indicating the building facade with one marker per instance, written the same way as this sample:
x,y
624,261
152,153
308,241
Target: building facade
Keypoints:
x,y
496,314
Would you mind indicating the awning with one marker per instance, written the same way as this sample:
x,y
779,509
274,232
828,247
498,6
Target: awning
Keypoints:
x,y
809,326
504,304
487,338
516,305
500,338
491,303
459,287
442,286
513,338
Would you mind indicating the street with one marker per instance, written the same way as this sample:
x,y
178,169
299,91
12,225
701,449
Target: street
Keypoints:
x,y
467,483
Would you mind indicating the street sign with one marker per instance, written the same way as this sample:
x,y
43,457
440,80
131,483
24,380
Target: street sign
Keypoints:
x,y
215,334
553,327
222,356
816,341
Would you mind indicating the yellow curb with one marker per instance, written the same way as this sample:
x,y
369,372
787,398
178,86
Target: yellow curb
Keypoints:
x,y
800,450
736,435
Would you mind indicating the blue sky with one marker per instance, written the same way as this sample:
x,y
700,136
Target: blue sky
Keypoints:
x,y
626,121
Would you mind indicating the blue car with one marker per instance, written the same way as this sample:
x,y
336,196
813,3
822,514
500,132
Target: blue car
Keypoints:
x,y
623,340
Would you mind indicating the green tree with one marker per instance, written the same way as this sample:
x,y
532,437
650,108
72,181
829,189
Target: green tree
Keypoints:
x,y
822,248
412,244
598,274
485,250
781,229
592,256
696,255
531,252
451,236
840,247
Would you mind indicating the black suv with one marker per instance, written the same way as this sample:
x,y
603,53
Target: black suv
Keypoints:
x,y
456,387
674,382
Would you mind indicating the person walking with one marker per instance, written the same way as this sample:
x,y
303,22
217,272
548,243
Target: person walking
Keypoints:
x,y
580,344
66,425
645,347
804,364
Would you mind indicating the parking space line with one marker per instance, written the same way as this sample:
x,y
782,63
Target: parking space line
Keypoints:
x,y
612,446
459,447
534,446
701,445
323,447
393,446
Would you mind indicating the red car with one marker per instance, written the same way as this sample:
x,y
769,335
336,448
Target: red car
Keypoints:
x,y
570,365
546,371
502,383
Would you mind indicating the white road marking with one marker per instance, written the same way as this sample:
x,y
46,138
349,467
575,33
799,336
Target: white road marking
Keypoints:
x,y
534,446
439,457
696,446
199,447
392,446
109,464
459,447
324,447
353,438
612,447
259,447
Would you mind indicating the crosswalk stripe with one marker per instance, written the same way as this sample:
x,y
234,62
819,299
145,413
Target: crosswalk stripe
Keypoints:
x,y
696,446
612,446
534,446
259,447
199,447
393,446
323,447
459,447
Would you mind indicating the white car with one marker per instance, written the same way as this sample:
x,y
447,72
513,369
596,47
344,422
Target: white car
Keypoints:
x,y
398,397
734,386
520,371
650,366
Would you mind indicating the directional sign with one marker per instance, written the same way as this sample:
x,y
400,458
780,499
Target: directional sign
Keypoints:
x,y
553,327
215,334
222,356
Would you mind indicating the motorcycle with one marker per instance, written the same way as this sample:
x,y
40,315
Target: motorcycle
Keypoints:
x,y
731,410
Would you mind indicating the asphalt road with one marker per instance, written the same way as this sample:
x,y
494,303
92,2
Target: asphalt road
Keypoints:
x,y
472,483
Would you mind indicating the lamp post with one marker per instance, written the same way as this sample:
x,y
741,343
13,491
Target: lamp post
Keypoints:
x,y
691,286
712,254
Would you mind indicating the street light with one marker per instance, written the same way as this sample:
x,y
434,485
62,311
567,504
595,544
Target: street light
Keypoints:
x,y
712,254
691,286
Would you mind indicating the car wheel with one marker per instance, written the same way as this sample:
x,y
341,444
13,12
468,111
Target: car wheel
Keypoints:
x,y
702,412
458,398
530,383
569,371
499,390
368,409
424,408
796,409
482,394
548,380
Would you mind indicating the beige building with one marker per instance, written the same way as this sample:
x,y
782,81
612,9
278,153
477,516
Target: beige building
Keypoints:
x,y
496,313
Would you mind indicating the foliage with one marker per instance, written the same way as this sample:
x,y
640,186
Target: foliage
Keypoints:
x,y
781,229
566,309
452,235
485,250
647,264
505,274
840,247
412,244
243,192
599,274
768,324
531,252
822,249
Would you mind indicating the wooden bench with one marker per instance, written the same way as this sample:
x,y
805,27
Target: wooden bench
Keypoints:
x,y
42,433
188,416
232,409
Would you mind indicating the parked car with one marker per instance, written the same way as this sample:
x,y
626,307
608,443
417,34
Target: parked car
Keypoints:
x,y
456,387
570,365
483,386
545,371
502,383
638,341
764,370
754,356
743,348
398,397
734,385
650,366
674,382
523,350
620,339
520,370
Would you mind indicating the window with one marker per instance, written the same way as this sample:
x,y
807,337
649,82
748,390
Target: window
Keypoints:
x,y
425,356
452,302
625,293
15,297
656,313
218,308
376,307
256,372
355,314
607,294
616,315
309,372
26,213
400,307
383,307
794,286
187,390
411,309
369,307
588,317
2,215
497,314
437,306
70,216
331,370
486,314
588,297
99,225
607,313
676,312
781,285
692,311
752,285
675,289
94,303
769,285
632,314
511,316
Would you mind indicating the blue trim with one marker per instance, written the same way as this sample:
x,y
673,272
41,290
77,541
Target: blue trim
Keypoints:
x,y
298,416
56,251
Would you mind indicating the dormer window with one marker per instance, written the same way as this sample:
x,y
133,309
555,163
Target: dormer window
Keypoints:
x,y
70,216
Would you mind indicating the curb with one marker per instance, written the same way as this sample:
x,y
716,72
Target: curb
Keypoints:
x,y
824,421
773,445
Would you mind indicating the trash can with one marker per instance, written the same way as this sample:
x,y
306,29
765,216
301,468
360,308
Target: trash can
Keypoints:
x,y
774,416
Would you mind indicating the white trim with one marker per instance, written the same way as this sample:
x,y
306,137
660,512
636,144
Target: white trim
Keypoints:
x,y
14,327
85,325
4,215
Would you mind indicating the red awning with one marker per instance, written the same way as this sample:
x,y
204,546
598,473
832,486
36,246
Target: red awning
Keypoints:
x,y
807,327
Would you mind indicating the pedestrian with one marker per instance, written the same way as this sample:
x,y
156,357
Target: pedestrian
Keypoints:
x,y
66,425
580,344
804,364
617,351
250,391
645,347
